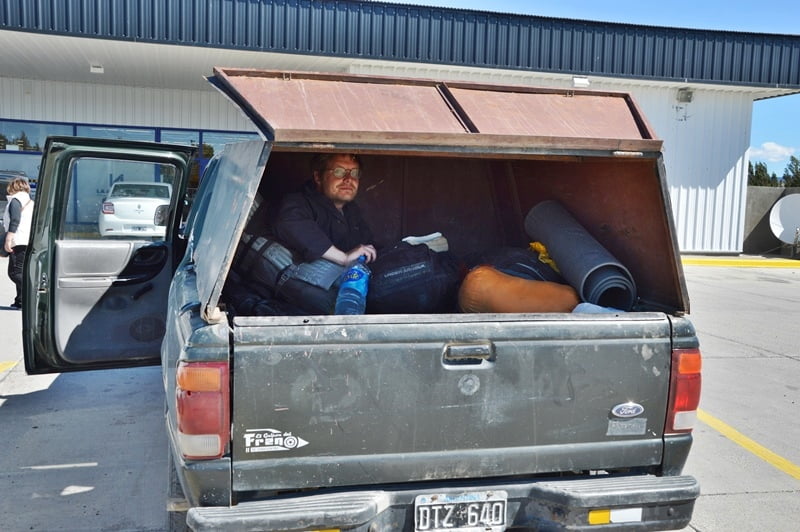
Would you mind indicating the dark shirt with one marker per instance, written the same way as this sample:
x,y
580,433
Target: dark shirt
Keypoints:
x,y
14,215
309,223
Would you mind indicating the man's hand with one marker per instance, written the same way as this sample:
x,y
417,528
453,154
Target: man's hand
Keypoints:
x,y
338,256
367,250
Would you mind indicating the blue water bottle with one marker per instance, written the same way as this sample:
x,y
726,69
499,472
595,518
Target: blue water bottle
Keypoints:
x,y
352,297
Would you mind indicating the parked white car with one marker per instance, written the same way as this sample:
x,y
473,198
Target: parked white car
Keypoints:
x,y
135,210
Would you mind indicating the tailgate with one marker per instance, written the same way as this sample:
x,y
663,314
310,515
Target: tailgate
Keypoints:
x,y
330,401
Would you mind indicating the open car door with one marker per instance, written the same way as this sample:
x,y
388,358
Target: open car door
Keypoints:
x,y
99,267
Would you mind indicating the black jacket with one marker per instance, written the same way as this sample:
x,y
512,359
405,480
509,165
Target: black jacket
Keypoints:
x,y
309,223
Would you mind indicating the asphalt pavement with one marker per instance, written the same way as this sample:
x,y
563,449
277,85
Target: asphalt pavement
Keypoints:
x,y
745,454
87,451
78,451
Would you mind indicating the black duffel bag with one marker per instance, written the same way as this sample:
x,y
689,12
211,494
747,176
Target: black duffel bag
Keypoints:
x,y
412,279
269,269
519,262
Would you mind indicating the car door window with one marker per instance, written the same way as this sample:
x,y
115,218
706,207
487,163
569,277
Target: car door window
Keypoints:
x,y
117,199
112,259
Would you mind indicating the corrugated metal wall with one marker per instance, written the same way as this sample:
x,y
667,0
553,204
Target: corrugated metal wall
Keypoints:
x,y
395,32
704,141
705,147
58,101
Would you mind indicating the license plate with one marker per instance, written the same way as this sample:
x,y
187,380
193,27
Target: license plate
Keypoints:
x,y
463,512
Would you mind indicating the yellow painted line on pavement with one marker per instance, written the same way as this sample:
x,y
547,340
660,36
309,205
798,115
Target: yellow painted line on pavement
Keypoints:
x,y
762,452
5,366
741,262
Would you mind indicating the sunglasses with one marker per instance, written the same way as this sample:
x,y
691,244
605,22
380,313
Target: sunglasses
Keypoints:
x,y
341,173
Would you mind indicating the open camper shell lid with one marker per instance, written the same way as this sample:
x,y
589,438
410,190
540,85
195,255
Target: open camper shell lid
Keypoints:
x,y
305,109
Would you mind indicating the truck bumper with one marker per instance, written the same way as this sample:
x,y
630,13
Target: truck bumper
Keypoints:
x,y
617,503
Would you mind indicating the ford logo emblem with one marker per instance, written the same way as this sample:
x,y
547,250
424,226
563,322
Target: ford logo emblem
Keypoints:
x,y
627,410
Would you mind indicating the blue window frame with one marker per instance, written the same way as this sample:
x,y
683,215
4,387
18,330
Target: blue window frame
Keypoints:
x,y
22,141
116,132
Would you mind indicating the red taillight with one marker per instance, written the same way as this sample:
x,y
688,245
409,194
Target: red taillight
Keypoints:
x,y
203,399
108,207
160,216
684,390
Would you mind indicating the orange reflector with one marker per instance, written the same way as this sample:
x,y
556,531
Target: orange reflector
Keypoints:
x,y
689,361
197,377
599,517
616,515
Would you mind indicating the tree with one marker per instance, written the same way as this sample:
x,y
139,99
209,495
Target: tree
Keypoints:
x,y
791,175
24,142
758,176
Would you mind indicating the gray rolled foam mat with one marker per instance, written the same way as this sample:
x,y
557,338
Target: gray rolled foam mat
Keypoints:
x,y
588,267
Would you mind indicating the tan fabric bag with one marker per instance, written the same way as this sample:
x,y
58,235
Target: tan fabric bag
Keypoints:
x,y
486,289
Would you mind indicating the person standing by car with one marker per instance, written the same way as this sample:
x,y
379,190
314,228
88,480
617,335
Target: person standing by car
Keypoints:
x,y
17,220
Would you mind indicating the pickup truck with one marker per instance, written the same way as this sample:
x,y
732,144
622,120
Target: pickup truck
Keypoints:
x,y
387,422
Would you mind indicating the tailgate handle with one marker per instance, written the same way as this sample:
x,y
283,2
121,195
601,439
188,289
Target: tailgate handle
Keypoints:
x,y
468,353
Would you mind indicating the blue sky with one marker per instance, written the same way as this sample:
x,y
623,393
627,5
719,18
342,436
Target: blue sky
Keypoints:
x,y
775,134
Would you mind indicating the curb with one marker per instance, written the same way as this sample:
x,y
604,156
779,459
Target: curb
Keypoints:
x,y
741,262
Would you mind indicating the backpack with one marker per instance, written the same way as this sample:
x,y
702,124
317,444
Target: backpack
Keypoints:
x,y
270,271
519,262
412,279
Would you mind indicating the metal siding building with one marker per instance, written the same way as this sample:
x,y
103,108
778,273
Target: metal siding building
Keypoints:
x,y
69,101
153,55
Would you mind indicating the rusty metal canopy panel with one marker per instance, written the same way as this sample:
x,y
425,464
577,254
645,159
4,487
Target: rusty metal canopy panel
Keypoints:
x,y
543,114
369,112
329,103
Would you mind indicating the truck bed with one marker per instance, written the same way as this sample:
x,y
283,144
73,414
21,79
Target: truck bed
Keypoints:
x,y
480,204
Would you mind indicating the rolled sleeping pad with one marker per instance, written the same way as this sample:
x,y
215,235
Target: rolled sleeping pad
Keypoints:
x,y
587,266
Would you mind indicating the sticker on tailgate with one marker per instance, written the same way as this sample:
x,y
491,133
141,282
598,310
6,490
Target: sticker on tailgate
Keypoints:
x,y
269,440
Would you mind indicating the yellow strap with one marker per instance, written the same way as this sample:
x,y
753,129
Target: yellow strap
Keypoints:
x,y
544,257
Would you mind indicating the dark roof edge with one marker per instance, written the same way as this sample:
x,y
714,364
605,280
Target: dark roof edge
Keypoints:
x,y
408,33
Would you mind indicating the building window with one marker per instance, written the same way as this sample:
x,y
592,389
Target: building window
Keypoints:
x,y
214,141
188,137
22,142
16,135
21,161
115,198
